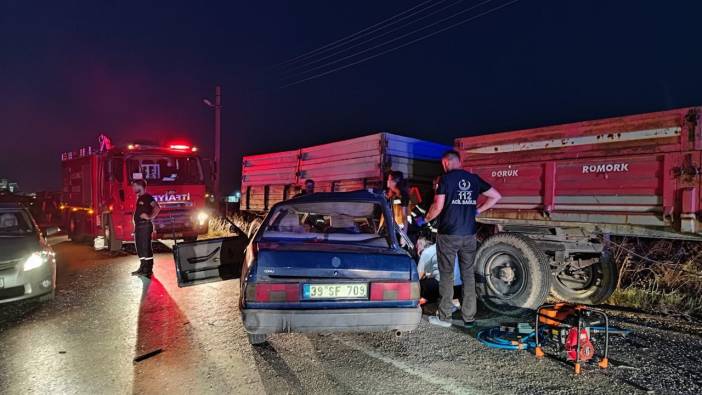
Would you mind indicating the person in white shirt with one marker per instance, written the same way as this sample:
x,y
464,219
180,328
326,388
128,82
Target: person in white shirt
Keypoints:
x,y
428,269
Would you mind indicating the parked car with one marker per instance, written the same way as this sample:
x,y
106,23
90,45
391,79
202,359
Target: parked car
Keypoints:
x,y
318,263
27,262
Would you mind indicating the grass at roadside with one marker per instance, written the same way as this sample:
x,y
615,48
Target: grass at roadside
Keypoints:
x,y
661,276
220,227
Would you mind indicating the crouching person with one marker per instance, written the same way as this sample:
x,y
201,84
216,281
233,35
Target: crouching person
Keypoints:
x,y
429,275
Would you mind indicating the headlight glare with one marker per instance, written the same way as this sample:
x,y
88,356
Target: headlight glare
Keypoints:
x,y
34,261
202,217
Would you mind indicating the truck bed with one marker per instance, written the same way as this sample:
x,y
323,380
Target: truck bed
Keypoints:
x,y
340,166
633,175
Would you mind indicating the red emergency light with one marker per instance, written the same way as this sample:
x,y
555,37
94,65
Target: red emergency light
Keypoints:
x,y
182,147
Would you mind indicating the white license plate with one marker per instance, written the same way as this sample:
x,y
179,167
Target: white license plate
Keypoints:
x,y
335,291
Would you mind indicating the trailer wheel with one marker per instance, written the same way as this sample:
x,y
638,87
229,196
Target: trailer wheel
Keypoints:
x,y
590,285
113,244
512,274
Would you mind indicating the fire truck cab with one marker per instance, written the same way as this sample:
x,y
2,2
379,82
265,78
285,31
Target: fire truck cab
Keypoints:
x,y
97,198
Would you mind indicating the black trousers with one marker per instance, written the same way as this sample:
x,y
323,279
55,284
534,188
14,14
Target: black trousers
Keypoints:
x,y
447,247
142,239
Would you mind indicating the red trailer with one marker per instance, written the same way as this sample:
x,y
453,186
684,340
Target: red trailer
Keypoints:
x,y
348,165
97,199
567,188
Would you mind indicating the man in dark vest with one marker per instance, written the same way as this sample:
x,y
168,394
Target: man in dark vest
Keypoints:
x,y
456,206
145,211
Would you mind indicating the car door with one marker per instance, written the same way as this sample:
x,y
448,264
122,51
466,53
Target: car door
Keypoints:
x,y
209,260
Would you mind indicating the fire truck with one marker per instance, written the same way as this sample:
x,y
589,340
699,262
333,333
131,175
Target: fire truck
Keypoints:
x,y
97,199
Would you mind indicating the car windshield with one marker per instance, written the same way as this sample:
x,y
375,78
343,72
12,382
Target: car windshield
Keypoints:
x,y
15,223
354,223
166,170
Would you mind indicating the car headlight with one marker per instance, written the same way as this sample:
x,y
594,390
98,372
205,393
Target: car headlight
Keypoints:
x,y
202,217
34,261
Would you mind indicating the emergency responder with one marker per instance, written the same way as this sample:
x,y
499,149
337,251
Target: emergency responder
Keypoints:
x,y
456,206
397,193
309,188
145,211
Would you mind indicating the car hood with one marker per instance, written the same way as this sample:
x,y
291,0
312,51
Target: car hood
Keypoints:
x,y
13,248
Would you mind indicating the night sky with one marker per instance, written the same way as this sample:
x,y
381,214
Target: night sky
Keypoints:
x,y
69,70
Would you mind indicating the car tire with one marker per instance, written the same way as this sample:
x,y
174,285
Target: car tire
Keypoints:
x,y
513,276
256,340
598,283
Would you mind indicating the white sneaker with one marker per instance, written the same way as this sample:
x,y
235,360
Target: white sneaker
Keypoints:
x,y
435,320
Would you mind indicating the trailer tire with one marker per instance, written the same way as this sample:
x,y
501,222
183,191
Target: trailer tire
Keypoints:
x,y
513,276
602,281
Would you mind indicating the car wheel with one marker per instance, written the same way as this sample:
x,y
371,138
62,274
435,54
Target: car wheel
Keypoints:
x,y
256,339
513,276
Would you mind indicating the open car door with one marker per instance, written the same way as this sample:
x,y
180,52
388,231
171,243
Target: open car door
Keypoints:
x,y
209,260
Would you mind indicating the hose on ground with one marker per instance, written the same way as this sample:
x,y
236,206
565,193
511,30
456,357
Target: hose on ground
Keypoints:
x,y
495,338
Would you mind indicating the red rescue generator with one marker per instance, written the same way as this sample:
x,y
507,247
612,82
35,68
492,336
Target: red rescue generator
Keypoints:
x,y
97,198
567,188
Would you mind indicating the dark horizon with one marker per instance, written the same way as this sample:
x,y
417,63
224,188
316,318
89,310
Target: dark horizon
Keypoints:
x,y
133,71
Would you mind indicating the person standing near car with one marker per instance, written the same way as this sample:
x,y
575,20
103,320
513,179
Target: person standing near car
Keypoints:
x,y
397,193
309,188
456,206
145,211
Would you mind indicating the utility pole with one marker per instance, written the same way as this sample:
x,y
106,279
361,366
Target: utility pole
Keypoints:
x,y
217,106
218,143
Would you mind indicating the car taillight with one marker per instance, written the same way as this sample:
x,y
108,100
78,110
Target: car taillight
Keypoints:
x,y
273,292
394,291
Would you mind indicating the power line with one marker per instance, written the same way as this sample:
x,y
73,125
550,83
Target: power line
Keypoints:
x,y
353,37
399,38
305,64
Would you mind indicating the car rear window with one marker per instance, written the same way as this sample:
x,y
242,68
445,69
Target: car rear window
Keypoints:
x,y
355,223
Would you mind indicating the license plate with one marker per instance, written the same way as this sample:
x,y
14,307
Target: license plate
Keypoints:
x,y
335,291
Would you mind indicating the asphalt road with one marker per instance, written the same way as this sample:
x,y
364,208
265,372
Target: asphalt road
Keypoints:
x,y
86,341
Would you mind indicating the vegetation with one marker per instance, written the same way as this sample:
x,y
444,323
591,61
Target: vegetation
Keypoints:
x,y
662,276
220,227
